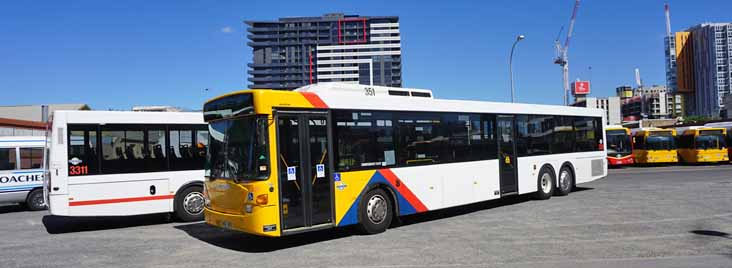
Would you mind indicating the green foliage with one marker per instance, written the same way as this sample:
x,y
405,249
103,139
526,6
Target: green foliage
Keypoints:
x,y
697,119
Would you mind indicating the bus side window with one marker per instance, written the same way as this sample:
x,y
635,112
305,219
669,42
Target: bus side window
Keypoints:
x,y
31,158
181,150
201,146
8,159
82,150
122,150
155,156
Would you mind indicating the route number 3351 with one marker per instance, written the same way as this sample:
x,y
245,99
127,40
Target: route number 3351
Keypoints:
x,y
78,170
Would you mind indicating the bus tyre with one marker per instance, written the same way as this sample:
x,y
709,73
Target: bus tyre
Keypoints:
x,y
545,184
34,201
189,204
565,182
376,212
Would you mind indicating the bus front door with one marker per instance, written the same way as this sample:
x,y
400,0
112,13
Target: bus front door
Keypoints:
x,y
305,187
507,155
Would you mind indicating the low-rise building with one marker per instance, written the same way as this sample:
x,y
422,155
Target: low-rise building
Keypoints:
x,y
26,120
654,102
611,105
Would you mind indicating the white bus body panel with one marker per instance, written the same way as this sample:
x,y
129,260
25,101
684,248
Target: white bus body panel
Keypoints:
x,y
426,179
113,194
15,184
454,184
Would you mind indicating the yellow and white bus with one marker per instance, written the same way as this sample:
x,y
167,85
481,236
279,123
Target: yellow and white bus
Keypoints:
x,y
331,155
654,146
703,145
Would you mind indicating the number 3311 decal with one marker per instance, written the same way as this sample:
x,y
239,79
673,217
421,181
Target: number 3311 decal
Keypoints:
x,y
78,170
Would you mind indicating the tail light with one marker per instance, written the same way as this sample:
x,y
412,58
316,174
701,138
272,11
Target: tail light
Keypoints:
x,y
600,146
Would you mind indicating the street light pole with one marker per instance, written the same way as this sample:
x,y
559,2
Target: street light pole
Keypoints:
x,y
510,65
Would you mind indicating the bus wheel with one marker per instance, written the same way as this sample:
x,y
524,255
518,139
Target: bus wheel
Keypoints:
x,y
545,184
189,204
34,201
565,182
376,212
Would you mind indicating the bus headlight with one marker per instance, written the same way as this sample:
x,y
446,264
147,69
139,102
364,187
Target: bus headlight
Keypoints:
x,y
248,208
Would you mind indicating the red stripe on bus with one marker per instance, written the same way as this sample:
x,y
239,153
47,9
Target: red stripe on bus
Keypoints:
x,y
313,98
120,200
403,190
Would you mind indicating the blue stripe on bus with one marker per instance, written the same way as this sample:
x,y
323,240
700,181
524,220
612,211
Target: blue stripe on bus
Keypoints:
x,y
20,187
17,189
26,172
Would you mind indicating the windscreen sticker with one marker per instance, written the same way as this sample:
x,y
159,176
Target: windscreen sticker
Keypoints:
x,y
320,170
291,173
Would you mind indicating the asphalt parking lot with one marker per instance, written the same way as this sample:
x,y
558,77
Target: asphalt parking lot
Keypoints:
x,y
636,217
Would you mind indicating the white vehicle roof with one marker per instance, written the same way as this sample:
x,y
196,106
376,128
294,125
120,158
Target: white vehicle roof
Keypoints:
x,y
719,124
353,96
12,141
125,117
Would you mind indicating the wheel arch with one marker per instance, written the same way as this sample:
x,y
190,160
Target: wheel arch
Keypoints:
x,y
570,166
182,188
389,191
551,168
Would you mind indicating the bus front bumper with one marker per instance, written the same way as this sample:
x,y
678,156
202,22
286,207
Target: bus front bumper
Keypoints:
x,y
246,223
615,161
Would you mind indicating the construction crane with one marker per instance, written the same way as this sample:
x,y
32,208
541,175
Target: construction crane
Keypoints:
x,y
562,59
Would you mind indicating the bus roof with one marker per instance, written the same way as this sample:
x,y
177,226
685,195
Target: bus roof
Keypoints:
x,y
364,97
648,130
22,140
616,127
127,117
695,129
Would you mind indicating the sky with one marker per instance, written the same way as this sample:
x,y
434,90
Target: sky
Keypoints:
x,y
119,54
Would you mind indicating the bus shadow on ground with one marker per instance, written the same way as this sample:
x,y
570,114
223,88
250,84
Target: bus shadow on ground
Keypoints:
x,y
471,208
10,208
61,224
256,244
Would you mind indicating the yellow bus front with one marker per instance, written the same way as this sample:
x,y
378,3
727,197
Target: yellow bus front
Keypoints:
x,y
242,189
655,147
239,192
706,145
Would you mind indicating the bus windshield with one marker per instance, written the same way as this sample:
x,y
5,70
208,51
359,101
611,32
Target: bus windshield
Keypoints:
x,y
660,143
618,142
710,142
238,149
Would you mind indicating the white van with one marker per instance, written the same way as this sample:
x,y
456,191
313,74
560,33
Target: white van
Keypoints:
x,y
21,171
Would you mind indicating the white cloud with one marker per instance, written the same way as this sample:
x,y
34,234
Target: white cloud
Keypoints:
x,y
227,29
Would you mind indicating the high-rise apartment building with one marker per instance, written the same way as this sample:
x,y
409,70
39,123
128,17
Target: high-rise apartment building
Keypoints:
x,y
712,53
293,52
698,66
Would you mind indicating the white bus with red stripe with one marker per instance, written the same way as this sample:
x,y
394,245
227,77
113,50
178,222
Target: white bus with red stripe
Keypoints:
x,y
108,163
